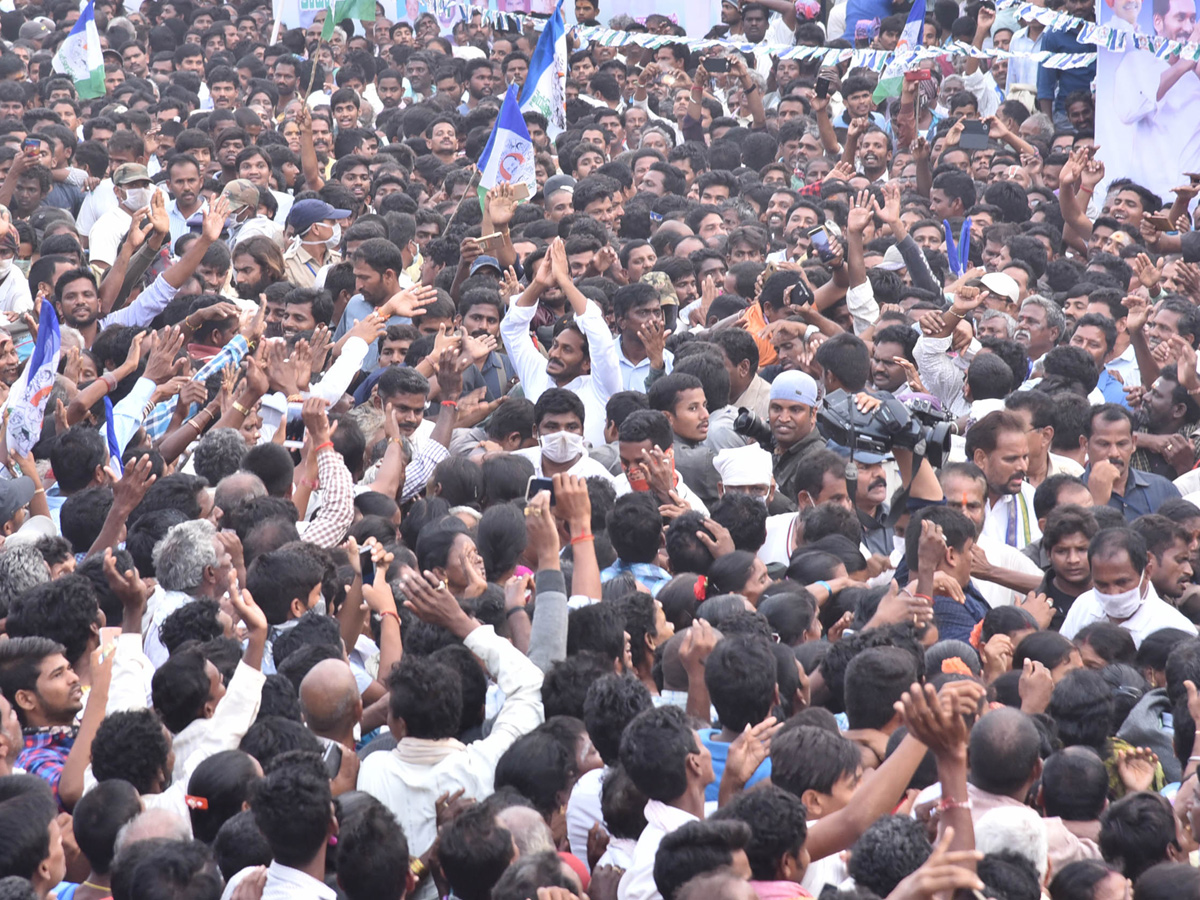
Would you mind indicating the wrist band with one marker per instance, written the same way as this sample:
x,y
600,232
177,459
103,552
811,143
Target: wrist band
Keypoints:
x,y
111,380
417,868
321,447
240,408
295,398
954,804
389,612
516,609
579,539
39,491
453,403
825,584
923,597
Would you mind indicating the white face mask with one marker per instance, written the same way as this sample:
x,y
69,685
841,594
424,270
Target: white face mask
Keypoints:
x,y
562,446
5,267
136,198
334,239
1121,606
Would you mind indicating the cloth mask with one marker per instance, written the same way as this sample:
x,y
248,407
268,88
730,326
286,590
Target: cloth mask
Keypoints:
x,y
562,446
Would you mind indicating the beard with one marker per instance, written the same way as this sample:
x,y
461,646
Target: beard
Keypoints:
x,y
249,291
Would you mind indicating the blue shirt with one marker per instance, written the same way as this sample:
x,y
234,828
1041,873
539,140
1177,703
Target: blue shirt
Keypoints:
x,y
720,752
356,310
648,574
1144,493
1056,84
1111,388
864,10
955,621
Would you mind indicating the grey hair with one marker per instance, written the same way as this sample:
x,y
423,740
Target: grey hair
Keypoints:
x,y
21,567
182,555
1009,322
667,136
155,822
1054,313
1044,125
219,453
528,829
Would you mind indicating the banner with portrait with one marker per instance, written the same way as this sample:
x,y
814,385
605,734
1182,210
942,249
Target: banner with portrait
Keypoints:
x,y
1147,100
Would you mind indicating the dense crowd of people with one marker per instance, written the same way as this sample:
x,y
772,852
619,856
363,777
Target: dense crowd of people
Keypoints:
x,y
793,493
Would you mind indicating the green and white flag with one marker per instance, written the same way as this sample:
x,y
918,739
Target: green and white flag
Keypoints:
x,y
80,56
363,10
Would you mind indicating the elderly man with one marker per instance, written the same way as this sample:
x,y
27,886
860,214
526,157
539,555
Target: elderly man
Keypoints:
x,y
192,562
331,703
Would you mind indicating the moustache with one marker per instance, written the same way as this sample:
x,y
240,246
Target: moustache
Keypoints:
x,y
878,482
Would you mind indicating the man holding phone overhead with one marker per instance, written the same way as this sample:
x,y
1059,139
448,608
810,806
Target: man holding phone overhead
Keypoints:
x,y
583,357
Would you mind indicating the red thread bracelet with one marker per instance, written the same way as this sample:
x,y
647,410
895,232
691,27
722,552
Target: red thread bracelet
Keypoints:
x,y
321,447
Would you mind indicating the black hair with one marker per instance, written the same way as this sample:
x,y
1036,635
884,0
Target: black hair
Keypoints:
x,y
372,854
540,768
740,676
1074,784
1082,707
1137,832
612,702
97,818
427,695
778,827
272,736
64,610
890,850
224,781
130,745
474,851
1003,751
180,688
599,627
635,524
697,848
875,680
654,751
805,757
292,805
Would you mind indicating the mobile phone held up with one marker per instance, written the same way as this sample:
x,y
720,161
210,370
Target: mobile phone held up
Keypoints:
x,y
717,65
820,243
974,136
824,85
918,75
536,485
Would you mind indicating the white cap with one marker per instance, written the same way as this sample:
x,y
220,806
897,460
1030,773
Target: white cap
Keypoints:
x,y
1002,285
31,531
742,466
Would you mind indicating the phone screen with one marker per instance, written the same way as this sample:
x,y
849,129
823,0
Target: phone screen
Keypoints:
x,y
822,89
537,485
717,64
820,241
368,566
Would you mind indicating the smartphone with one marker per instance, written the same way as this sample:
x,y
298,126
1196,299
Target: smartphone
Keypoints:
x,y
489,243
1162,223
520,191
974,136
31,144
717,65
332,757
918,75
368,566
770,270
820,242
536,485
823,87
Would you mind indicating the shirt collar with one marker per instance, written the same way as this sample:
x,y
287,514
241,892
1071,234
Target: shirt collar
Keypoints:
x,y
286,875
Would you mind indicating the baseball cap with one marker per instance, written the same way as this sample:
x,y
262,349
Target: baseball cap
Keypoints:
x,y
482,262
37,29
795,387
1003,285
892,260
558,183
129,173
31,531
304,214
241,193
15,493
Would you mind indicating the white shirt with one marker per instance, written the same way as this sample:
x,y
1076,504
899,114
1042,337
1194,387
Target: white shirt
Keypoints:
x,y
1006,557
104,240
14,292
1011,520
777,548
584,467
409,779
583,809
1126,366
284,883
594,389
96,203
638,881
1154,614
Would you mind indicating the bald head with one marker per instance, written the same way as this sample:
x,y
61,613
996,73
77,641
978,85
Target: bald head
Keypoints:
x,y
233,489
153,823
529,830
329,698
1003,752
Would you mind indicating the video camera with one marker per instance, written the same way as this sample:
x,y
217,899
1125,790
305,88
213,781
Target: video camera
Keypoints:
x,y
893,424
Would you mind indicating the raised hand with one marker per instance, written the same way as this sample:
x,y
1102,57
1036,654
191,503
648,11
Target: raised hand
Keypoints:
x,y
214,219
129,490
501,204
654,339
433,603
1035,687
409,302
1136,768
1139,308
749,750
1148,274
1040,607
